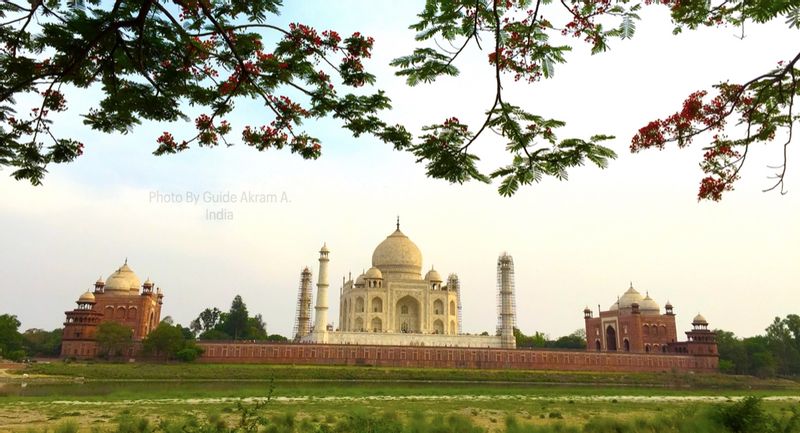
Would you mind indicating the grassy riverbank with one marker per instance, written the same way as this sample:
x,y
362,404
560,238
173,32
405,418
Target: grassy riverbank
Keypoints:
x,y
262,372
173,398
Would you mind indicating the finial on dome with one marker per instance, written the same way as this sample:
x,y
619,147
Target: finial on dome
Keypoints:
x,y
631,284
398,222
126,260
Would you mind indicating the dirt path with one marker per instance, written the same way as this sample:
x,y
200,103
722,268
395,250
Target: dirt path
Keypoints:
x,y
577,398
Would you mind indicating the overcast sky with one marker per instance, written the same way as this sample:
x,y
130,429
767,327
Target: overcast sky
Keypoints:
x,y
574,243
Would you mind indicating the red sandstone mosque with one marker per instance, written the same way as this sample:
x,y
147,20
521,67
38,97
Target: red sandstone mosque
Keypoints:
x,y
119,299
636,324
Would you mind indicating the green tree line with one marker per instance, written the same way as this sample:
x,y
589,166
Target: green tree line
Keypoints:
x,y
576,340
775,353
235,324
16,346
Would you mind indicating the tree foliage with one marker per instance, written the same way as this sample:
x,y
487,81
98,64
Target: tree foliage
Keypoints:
x,y
234,324
576,340
39,342
10,339
113,339
206,321
777,352
154,59
170,341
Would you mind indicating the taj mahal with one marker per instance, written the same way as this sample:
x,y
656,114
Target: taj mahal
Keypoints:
x,y
392,315
393,304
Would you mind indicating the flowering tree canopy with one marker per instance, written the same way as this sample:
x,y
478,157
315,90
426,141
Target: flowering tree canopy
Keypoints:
x,y
154,58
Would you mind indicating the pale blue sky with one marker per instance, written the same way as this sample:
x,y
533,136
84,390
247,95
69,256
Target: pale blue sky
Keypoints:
x,y
575,243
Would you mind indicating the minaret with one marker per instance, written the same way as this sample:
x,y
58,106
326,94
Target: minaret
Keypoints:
x,y
302,326
505,277
321,309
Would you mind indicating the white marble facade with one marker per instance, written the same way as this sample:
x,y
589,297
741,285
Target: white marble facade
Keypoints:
x,y
392,304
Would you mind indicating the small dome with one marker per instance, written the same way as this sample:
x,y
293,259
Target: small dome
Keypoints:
x,y
649,305
614,306
397,254
433,276
374,273
699,319
86,297
148,282
122,280
627,299
99,281
360,281
669,305
587,310
324,248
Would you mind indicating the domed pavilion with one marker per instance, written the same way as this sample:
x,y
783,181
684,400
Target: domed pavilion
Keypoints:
x,y
123,299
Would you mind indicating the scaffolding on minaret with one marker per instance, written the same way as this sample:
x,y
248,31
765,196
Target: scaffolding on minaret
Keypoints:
x,y
302,322
454,285
505,264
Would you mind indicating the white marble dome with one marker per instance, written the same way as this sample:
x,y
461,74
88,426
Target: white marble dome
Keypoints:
x,y
122,280
433,276
649,306
627,299
373,273
397,254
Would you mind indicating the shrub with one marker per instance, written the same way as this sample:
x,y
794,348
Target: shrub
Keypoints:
x,y
744,416
67,427
188,354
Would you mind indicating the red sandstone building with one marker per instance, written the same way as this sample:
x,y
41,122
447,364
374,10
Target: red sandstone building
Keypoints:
x,y
120,300
635,324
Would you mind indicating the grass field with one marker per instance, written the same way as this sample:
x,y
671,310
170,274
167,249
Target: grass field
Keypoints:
x,y
150,398
263,372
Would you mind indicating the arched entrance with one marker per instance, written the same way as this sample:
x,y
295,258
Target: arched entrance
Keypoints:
x,y
627,345
407,315
611,338
438,327
377,325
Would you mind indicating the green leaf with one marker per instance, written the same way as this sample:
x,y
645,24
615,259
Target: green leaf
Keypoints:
x,y
627,28
793,17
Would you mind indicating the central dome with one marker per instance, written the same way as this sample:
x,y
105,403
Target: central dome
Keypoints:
x,y
398,255
630,297
123,280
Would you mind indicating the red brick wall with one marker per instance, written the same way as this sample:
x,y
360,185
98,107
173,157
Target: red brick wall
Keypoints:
x,y
78,349
402,356
141,313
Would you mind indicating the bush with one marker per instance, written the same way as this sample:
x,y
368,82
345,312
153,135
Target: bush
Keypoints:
x,y
16,355
744,416
188,354
67,427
